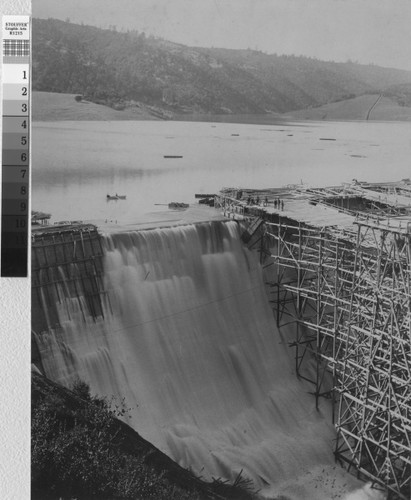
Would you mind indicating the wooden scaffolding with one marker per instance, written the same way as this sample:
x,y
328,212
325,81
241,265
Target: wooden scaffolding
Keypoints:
x,y
374,380
66,262
338,268
349,296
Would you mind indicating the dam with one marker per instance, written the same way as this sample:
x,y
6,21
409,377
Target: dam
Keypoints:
x,y
243,344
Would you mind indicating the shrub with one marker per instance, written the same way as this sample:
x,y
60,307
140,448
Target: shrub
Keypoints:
x,y
81,389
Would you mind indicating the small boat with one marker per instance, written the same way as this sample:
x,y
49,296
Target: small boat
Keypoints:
x,y
116,197
175,205
172,156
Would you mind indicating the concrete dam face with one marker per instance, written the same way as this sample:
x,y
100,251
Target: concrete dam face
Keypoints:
x,y
183,330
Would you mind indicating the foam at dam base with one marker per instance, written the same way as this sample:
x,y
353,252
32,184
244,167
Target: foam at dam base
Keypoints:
x,y
189,339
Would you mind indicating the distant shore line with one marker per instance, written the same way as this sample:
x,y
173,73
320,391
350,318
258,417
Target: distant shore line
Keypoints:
x,y
51,106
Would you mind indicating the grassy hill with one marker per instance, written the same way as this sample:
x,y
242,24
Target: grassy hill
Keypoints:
x,y
51,106
371,107
400,93
126,71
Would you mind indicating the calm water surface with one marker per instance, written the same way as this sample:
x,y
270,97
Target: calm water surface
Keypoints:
x,y
76,164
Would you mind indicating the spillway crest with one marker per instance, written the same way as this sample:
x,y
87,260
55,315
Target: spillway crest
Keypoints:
x,y
188,337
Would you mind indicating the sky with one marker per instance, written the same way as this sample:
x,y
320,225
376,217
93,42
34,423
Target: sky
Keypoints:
x,y
366,31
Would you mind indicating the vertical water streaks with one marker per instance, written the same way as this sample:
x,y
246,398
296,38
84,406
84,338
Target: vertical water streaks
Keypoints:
x,y
188,338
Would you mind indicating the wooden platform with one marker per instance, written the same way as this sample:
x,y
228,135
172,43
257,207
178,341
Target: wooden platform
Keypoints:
x,y
335,208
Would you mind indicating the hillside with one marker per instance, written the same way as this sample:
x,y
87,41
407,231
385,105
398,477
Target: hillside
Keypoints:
x,y
127,70
51,106
371,107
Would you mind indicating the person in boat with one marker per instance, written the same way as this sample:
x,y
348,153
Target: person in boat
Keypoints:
x,y
282,204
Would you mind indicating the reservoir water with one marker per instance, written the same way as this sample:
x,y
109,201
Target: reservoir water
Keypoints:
x,y
76,164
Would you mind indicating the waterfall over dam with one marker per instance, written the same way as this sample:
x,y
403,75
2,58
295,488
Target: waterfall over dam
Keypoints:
x,y
185,333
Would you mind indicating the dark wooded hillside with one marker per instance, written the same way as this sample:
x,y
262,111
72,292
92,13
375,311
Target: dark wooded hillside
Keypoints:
x,y
124,69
